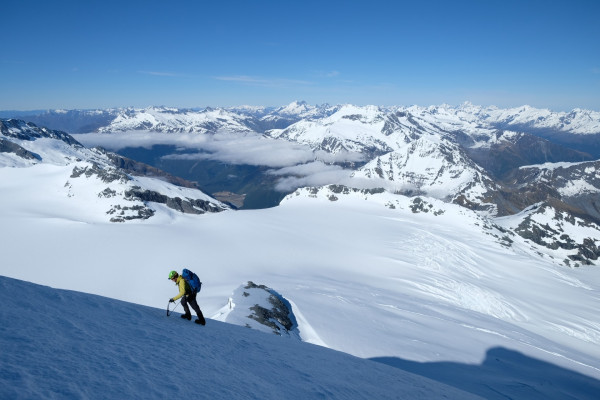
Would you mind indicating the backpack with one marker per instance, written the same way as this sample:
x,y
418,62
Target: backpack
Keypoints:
x,y
192,280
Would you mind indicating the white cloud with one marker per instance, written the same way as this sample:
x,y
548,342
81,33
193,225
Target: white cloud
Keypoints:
x,y
117,141
311,175
251,150
230,148
297,165
306,169
315,173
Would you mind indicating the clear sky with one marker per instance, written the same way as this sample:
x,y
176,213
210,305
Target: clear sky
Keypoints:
x,y
184,53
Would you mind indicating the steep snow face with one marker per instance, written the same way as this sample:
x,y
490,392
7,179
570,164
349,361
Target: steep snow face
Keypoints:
x,y
429,165
350,128
167,120
23,144
63,344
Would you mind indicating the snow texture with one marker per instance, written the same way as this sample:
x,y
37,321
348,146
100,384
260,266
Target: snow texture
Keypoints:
x,y
59,344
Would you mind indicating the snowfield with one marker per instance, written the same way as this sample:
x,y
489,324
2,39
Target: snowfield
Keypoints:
x,y
369,276
63,344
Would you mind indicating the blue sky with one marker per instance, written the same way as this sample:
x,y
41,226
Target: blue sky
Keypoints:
x,y
96,54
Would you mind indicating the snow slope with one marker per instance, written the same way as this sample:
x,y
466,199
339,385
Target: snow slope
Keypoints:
x,y
64,344
412,282
371,278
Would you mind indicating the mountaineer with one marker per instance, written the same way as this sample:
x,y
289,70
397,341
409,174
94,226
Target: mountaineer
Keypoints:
x,y
188,289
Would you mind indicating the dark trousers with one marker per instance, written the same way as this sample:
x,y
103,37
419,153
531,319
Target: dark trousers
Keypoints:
x,y
191,299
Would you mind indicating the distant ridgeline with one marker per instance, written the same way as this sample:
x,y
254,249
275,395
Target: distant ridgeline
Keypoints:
x,y
536,164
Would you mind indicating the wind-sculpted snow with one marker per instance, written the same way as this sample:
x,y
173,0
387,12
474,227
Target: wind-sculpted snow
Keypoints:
x,y
63,344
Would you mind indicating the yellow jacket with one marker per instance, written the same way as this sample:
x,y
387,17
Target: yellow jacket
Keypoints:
x,y
183,287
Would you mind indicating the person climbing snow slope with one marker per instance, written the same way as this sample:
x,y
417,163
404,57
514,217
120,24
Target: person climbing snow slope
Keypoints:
x,y
187,296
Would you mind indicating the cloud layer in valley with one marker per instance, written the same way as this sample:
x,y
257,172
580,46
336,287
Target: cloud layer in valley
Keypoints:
x,y
297,165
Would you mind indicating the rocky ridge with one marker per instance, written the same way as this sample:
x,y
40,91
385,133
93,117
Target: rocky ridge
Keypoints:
x,y
125,189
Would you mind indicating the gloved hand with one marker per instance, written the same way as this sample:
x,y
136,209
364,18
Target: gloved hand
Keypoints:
x,y
171,301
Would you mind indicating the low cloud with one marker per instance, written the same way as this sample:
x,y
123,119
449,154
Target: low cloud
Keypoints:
x,y
233,148
248,150
118,141
297,165
314,173
319,174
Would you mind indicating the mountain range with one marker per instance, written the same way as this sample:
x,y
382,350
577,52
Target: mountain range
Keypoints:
x,y
498,162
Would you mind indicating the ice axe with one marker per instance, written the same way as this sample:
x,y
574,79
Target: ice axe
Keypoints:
x,y
169,312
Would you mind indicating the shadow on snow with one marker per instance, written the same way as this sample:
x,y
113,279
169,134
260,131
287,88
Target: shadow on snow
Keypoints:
x,y
505,374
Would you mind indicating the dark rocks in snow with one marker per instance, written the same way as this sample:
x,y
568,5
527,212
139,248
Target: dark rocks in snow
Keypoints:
x,y
126,213
421,206
186,206
18,129
108,192
587,252
6,146
278,317
97,163
552,235
136,193
107,175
